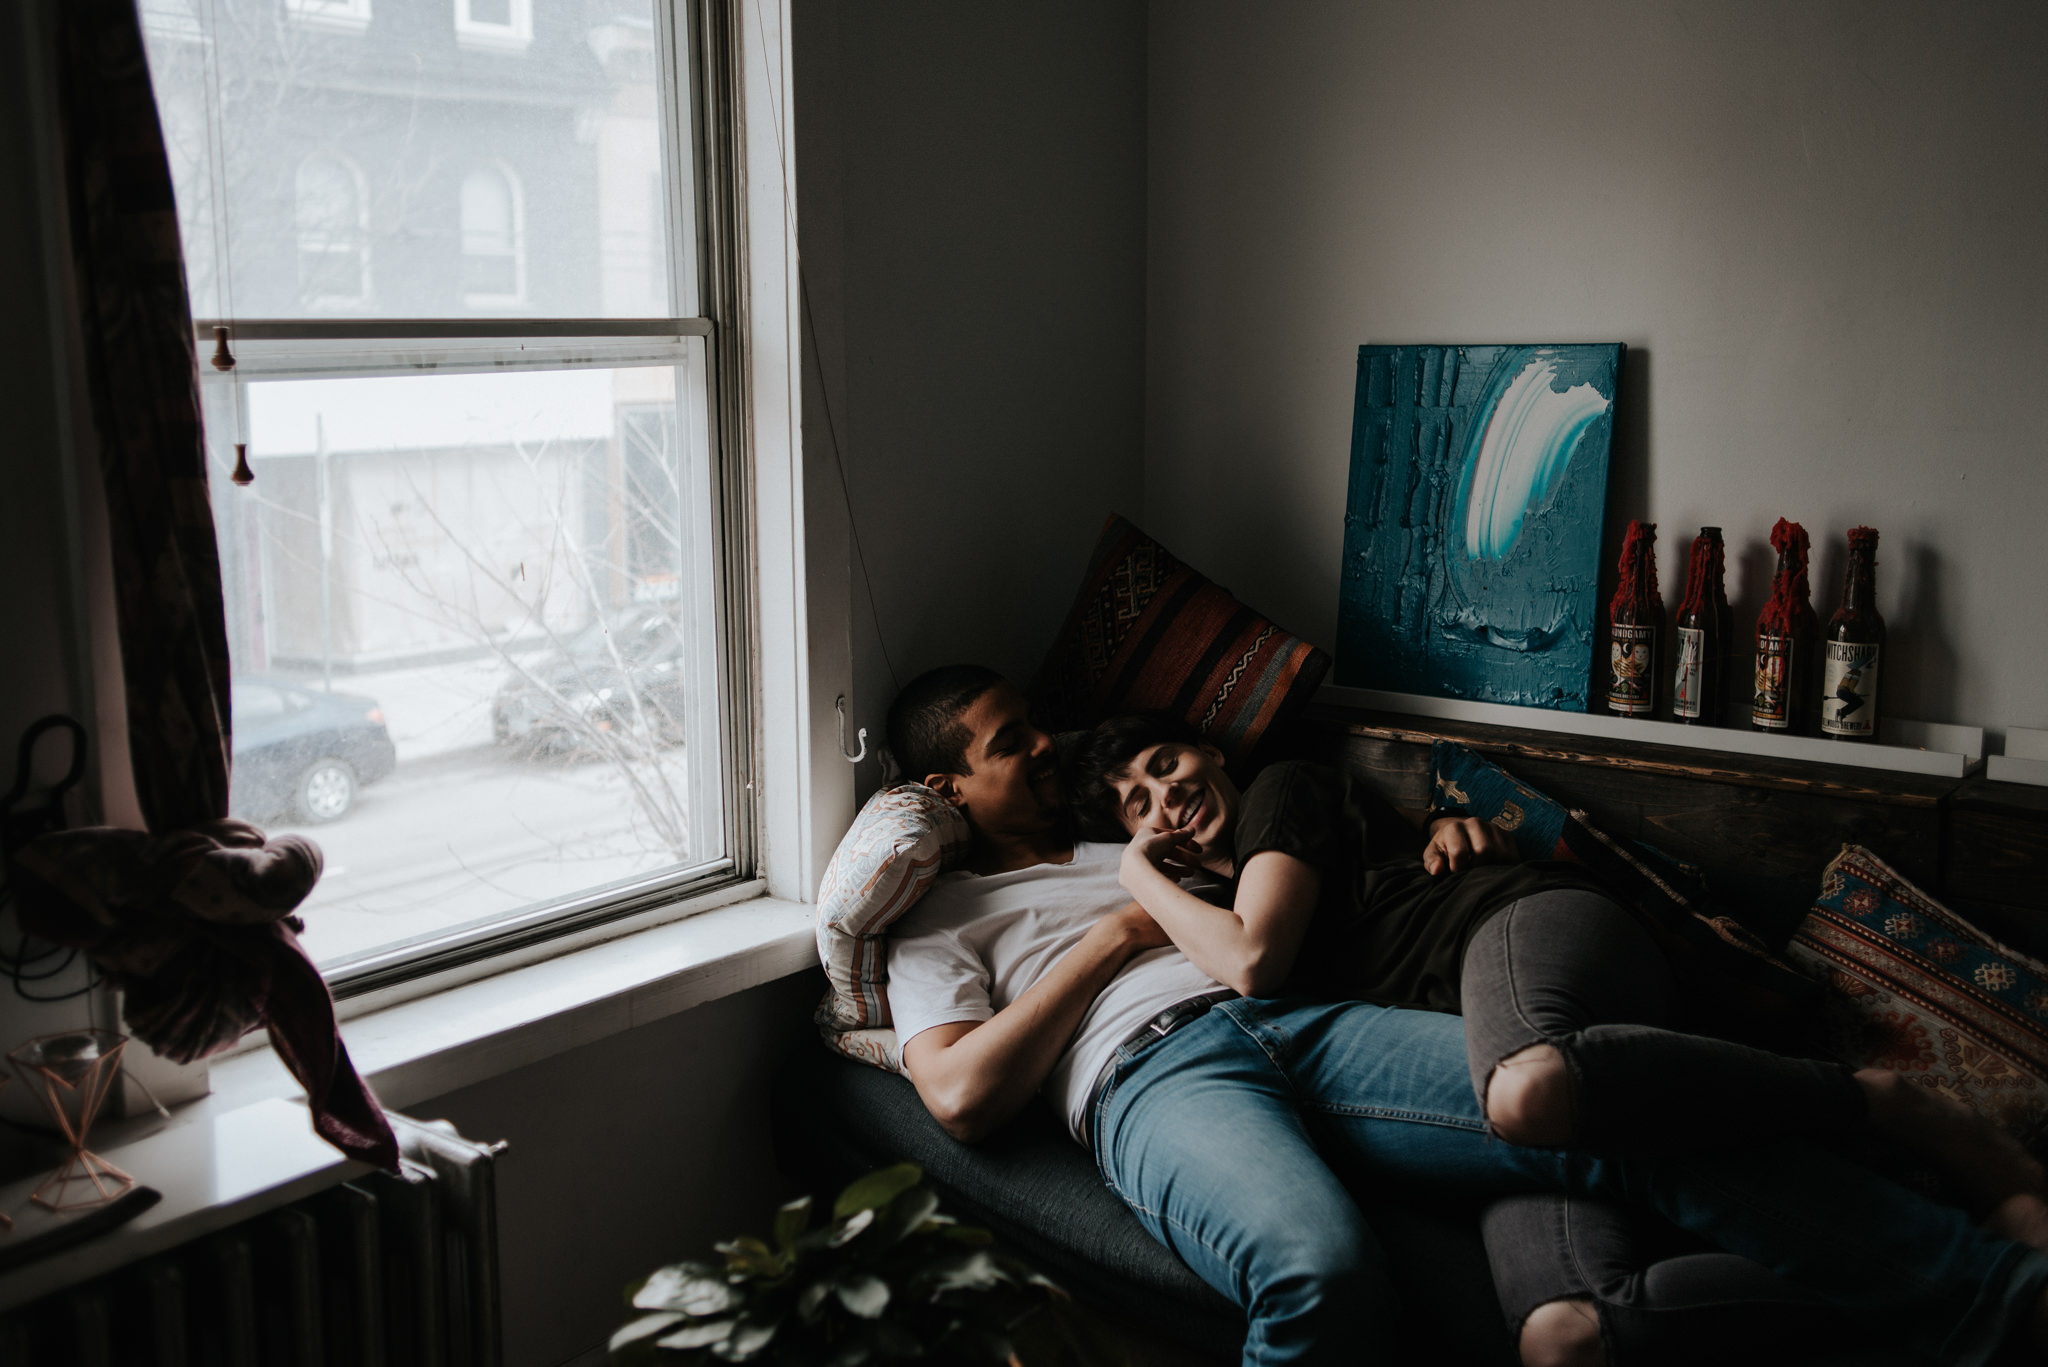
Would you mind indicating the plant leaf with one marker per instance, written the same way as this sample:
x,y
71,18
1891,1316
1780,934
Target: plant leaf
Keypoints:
x,y
745,1341
975,1271
878,1188
967,1234
692,1288
701,1334
644,1327
850,1226
909,1210
790,1221
863,1294
751,1257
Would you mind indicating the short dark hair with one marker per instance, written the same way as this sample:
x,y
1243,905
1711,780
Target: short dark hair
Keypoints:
x,y
924,727
1099,756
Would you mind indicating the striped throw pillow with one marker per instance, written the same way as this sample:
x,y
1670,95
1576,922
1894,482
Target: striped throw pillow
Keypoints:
x,y
1148,632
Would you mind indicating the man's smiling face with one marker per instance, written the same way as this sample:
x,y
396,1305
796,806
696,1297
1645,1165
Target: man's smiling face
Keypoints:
x,y
1012,783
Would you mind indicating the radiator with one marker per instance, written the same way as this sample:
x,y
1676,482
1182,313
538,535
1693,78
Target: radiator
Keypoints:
x,y
383,1271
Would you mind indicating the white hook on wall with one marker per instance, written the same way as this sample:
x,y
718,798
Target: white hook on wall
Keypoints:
x,y
839,705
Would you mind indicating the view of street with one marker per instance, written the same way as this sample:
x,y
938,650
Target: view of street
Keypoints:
x,y
469,835
464,830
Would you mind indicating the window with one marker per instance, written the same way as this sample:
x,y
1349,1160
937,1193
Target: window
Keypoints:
x,y
493,258
506,25
330,209
481,595
342,16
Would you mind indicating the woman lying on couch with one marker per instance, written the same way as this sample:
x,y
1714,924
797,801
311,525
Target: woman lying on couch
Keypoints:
x,y
1569,1006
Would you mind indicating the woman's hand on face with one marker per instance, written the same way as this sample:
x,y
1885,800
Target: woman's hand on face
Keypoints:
x,y
1457,843
1173,853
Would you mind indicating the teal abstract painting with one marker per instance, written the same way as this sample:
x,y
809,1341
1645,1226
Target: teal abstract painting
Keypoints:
x,y
1472,527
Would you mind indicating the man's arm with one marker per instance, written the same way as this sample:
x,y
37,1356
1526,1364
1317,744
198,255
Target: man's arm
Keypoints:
x,y
972,1076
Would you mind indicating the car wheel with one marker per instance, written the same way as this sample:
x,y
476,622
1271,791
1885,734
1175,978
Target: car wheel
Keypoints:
x,y
326,791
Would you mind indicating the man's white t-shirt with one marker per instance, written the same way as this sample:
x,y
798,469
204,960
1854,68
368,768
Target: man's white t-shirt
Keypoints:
x,y
975,943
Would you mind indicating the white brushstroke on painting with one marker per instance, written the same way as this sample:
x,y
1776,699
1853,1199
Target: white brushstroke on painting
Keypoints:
x,y
1529,441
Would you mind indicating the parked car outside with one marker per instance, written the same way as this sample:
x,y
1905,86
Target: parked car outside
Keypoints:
x,y
304,752
568,698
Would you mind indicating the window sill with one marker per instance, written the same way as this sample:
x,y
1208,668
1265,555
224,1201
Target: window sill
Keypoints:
x,y
470,1033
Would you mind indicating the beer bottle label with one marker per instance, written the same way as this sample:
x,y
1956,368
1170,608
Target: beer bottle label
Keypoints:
x,y
1848,704
1688,690
1772,709
1629,689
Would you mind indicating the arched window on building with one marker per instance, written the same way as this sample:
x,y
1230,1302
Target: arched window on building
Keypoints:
x,y
493,238
332,209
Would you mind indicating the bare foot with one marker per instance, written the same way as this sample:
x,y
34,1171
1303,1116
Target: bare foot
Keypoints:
x,y
1987,1163
2022,1219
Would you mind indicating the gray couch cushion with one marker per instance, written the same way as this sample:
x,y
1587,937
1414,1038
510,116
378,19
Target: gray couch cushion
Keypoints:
x,y
1040,1193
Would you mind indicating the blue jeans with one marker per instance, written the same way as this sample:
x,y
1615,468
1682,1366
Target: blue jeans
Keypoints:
x,y
1233,1138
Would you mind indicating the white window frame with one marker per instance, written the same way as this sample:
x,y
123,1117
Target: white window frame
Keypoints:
x,y
517,195
515,36
773,759
356,242
339,16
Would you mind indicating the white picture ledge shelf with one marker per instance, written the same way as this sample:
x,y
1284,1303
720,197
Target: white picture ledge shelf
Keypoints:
x,y
2025,759
1911,747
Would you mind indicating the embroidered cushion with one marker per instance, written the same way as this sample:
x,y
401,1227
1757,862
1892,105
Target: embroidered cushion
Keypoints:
x,y
1147,632
1734,986
1914,987
904,837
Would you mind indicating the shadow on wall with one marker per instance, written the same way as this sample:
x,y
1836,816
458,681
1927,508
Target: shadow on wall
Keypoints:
x,y
1923,673
1628,495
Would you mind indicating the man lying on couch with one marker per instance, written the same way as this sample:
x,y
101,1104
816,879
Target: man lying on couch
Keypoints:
x,y
1231,1125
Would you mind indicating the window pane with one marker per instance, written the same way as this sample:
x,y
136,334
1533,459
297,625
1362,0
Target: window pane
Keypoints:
x,y
370,134
495,593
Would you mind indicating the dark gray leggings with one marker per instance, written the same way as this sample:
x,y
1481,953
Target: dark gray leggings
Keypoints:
x,y
1576,971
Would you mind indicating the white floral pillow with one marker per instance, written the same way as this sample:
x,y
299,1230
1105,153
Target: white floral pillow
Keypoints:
x,y
904,837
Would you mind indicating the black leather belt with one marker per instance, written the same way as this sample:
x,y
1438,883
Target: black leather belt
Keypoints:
x,y
1160,1026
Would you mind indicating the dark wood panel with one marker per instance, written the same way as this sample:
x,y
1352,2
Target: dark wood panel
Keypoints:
x,y
1998,845
1768,833
1705,811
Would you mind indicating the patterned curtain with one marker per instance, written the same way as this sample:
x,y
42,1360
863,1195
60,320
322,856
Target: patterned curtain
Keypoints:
x,y
142,371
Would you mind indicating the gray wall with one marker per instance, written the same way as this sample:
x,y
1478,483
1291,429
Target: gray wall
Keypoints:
x,y
643,1149
971,182
1818,227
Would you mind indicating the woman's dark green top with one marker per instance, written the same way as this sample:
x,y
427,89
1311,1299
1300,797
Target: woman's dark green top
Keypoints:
x,y
1385,929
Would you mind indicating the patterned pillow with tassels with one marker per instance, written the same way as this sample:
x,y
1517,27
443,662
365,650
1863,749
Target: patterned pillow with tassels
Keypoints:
x,y
1916,988
904,837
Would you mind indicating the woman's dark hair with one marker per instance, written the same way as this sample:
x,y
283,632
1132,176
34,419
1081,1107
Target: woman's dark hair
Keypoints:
x,y
1101,755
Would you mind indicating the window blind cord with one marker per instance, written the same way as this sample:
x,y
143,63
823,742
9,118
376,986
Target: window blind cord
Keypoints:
x,y
817,360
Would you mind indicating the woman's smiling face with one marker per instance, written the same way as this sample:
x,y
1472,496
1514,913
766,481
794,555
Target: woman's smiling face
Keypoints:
x,y
1173,785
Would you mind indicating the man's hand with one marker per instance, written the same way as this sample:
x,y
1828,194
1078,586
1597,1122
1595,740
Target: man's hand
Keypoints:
x,y
1135,929
1457,843
1173,853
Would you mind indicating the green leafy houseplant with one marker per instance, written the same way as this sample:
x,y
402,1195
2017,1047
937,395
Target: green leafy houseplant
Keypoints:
x,y
887,1278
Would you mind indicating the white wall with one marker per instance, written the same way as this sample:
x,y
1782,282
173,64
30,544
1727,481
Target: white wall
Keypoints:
x,y
971,182
1818,227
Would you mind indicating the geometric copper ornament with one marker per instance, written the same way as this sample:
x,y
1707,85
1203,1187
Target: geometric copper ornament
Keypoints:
x,y
73,1073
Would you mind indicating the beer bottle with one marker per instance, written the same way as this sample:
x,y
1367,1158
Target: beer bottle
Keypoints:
x,y
1787,686
1634,616
1854,644
1699,690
